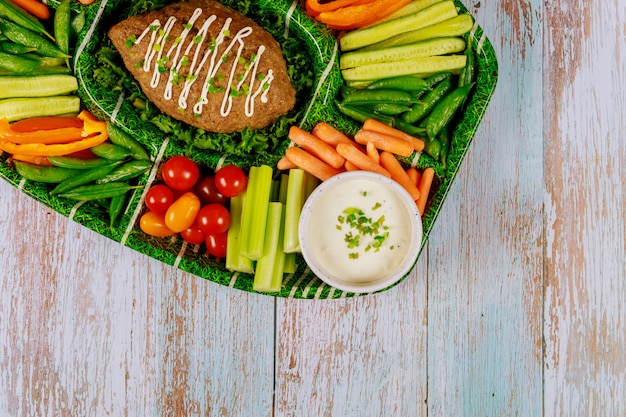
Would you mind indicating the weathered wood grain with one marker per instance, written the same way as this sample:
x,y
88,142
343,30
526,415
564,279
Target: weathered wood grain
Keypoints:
x,y
354,357
585,219
89,328
485,254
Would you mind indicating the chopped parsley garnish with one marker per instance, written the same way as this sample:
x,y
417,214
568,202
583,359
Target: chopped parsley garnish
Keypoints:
x,y
362,230
131,41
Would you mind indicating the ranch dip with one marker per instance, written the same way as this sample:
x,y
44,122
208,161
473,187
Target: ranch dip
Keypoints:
x,y
358,231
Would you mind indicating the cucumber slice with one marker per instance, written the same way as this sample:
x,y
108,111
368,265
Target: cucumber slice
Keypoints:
x,y
456,26
439,46
21,108
413,7
423,65
37,86
436,13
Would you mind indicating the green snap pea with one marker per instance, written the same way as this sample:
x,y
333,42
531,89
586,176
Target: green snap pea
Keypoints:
x,y
62,17
435,79
78,163
469,71
116,205
111,151
42,173
446,109
85,177
445,141
361,115
126,171
411,83
378,96
15,48
9,11
18,65
96,191
119,137
390,109
78,22
26,37
422,108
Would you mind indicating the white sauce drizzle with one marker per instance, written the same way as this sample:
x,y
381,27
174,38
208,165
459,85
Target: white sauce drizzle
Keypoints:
x,y
154,61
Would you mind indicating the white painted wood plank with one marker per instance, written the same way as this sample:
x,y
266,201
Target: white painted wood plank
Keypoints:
x,y
88,327
585,311
355,357
485,252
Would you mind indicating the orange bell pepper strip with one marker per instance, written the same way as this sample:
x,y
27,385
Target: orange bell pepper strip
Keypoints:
x,y
315,7
33,159
61,135
352,17
45,123
96,134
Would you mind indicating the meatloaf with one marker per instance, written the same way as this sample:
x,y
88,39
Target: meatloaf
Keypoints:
x,y
207,65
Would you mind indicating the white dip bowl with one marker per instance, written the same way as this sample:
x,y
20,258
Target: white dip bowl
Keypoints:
x,y
360,232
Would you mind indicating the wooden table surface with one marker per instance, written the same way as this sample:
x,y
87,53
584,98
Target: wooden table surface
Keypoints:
x,y
516,308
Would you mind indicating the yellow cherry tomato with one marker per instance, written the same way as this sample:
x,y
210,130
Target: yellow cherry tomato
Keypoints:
x,y
182,213
153,224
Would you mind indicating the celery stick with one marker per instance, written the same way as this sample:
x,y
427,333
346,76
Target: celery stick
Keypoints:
x,y
310,183
234,260
282,193
293,208
269,267
290,263
254,216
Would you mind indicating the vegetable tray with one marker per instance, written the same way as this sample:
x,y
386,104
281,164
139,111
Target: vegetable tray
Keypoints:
x,y
305,42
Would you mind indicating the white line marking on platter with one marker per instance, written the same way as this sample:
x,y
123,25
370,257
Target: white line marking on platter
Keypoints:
x,y
75,208
180,254
318,293
151,178
292,293
118,106
292,8
220,163
416,158
233,280
20,186
330,65
307,287
90,32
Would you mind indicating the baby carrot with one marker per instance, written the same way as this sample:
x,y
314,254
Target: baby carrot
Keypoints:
x,y
284,164
425,183
360,159
380,127
350,166
391,164
372,152
316,147
384,142
414,175
310,163
34,7
329,134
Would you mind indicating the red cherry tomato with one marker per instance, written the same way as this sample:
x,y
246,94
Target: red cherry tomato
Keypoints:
x,y
231,180
216,244
207,191
180,173
193,235
213,219
182,213
159,197
153,224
